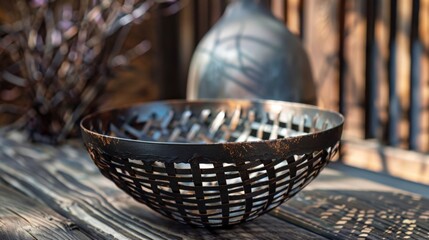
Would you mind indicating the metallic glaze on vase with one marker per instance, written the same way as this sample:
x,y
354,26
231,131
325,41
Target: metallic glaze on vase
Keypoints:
x,y
250,54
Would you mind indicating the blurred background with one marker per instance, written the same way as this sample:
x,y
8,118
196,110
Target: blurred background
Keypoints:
x,y
370,62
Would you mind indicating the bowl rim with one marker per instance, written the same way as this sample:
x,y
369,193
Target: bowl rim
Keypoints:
x,y
208,101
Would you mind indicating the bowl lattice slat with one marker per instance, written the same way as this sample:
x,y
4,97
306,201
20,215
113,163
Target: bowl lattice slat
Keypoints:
x,y
197,182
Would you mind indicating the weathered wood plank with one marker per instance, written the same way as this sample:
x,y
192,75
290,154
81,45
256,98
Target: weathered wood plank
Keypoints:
x,y
334,206
322,27
394,107
24,218
292,16
65,179
415,86
339,205
366,214
371,155
371,80
424,80
341,18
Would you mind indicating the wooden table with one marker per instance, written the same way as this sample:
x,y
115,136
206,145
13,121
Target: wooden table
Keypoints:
x,y
51,192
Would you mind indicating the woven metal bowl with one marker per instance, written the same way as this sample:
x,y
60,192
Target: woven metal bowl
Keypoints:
x,y
212,163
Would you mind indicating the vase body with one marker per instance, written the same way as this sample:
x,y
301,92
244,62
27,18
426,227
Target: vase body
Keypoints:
x,y
250,54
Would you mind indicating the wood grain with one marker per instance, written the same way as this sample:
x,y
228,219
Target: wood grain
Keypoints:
x,y
360,214
24,218
355,204
371,155
336,205
65,179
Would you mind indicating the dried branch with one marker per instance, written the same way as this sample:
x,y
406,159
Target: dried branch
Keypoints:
x,y
60,54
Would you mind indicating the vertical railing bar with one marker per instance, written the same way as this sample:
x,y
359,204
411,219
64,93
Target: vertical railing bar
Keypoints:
x,y
216,11
415,51
209,11
371,118
169,55
301,9
285,13
203,18
196,21
394,113
341,55
223,4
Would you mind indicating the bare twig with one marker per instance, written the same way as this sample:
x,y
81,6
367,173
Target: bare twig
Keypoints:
x,y
62,55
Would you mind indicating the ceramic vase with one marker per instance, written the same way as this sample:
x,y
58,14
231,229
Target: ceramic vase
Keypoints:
x,y
249,53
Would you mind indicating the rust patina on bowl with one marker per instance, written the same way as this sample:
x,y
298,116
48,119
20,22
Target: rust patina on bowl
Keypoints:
x,y
212,163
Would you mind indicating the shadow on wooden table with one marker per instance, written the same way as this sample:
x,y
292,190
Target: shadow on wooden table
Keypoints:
x,y
62,183
351,214
264,227
64,180
330,213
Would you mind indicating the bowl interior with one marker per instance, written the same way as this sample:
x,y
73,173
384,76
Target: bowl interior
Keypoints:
x,y
211,121
212,163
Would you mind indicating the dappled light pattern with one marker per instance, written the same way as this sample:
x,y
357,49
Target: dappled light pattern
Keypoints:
x,y
362,214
